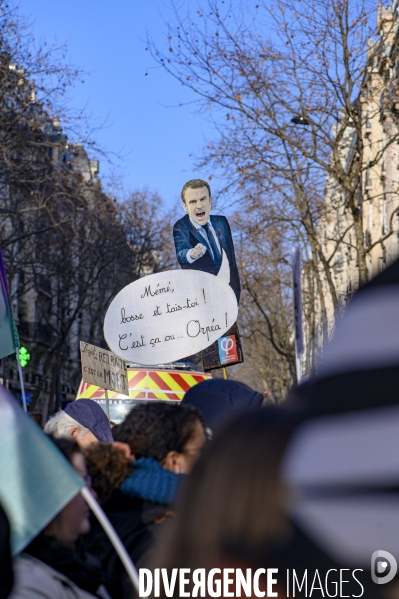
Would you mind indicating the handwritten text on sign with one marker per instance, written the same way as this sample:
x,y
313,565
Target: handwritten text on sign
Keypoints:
x,y
170,315
102,368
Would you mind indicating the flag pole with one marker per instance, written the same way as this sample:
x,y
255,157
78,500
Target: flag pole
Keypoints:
x,y
21,380
297,300
113,537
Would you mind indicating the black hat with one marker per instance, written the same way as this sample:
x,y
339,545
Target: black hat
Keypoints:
x,y
219,398
343,462
89,414
345,471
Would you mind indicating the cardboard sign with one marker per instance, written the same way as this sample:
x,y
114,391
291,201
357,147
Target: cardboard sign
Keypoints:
x,y
103,369
228,349
167,316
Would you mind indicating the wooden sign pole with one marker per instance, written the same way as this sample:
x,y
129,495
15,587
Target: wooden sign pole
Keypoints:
x,y
107,403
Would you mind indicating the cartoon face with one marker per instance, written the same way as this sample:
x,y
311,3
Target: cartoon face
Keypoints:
x,y
198,204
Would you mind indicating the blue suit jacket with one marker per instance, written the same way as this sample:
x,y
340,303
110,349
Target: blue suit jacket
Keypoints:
x,y
186,237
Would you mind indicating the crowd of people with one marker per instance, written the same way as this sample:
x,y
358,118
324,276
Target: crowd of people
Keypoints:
x,y
219,481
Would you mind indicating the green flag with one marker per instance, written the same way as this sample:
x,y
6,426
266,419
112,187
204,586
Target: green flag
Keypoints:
x,y
36,481
9,340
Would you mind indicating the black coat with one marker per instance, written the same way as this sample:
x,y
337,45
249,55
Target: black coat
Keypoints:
x,y
6,573
135,521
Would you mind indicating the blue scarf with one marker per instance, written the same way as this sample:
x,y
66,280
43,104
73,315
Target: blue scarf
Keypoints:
x,y
151,482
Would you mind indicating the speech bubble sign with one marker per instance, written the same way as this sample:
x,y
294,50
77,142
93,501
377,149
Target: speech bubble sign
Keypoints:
x,y
167,316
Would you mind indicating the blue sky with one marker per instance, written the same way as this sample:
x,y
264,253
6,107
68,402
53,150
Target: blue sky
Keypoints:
x,y
143,121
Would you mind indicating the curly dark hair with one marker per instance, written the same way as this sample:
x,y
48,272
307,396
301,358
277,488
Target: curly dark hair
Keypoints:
x,y
108,467
154,429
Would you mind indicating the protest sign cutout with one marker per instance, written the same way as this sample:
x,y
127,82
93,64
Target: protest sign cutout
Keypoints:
x,y
103,369
167,316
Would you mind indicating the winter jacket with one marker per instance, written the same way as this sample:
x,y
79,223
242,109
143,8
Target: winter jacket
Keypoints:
x,y
36,580
134,521
6,572
135,511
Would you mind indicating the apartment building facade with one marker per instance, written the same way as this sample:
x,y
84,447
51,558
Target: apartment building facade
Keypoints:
x,y
378,189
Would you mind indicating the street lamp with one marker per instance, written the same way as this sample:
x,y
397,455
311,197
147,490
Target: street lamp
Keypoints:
x,y
300,120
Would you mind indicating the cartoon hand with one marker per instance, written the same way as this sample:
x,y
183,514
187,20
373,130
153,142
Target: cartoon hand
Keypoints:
x,y
198,251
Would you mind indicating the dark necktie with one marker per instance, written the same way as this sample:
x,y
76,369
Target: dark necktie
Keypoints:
x,y
217,257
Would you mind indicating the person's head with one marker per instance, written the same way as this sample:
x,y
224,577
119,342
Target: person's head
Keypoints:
x,y
108,467
172,434
197,200
233,502
218,399
82,420
73,520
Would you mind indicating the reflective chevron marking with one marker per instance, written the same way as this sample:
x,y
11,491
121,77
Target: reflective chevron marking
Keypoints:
x,y
168,385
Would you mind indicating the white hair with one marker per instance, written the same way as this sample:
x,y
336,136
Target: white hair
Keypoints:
x,y
61,424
